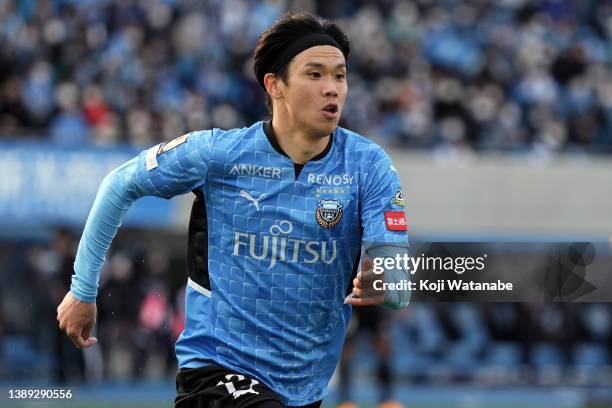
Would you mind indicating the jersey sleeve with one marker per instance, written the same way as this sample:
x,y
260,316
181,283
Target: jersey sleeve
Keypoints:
x,y
165,170
175,167
383,218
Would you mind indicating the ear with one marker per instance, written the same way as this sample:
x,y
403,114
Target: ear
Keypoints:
x,y
273,86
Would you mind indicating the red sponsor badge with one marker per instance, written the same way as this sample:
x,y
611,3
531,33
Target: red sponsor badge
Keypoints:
x,y
396,221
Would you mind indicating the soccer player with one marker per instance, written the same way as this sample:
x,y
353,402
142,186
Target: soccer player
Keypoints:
x,y
282,210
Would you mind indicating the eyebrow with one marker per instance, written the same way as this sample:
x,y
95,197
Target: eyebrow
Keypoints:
x,y
319,65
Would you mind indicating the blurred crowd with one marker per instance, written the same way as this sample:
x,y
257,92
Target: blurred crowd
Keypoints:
x,y
140,315
510,75
140,311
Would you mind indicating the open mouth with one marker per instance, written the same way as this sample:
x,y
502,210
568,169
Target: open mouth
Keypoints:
x,y
331,108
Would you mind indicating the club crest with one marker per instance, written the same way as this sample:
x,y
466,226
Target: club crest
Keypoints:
x,y
398,199
329,212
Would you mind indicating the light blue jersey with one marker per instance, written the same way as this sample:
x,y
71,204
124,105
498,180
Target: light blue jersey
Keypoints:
x,y
280,250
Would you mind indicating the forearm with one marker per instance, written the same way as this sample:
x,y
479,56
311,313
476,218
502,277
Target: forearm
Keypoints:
x,y
114,198
394,299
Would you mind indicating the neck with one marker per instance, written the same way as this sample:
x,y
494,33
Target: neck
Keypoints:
x,y
297,143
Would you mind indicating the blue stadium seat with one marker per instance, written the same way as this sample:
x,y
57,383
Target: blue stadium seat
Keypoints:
x,y
591,354
24,359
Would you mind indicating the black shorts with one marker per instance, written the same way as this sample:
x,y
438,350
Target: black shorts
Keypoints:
x,y
216,387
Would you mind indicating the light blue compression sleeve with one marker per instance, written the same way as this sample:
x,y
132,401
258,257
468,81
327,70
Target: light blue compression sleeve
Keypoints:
x,y
115,196
394,299
165,170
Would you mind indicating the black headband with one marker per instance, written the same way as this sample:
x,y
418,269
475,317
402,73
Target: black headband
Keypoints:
x,y
294,49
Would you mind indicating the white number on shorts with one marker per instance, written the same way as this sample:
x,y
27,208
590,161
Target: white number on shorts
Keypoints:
x,y
231,388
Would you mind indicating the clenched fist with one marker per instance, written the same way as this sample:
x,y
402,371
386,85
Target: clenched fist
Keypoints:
x,y
77,319
363,293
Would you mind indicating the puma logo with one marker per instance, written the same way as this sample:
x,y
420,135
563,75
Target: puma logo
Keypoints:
x,y
255,202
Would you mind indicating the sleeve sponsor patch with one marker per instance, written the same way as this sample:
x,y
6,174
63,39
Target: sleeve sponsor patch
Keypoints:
x,y
151,158
396,221
164,147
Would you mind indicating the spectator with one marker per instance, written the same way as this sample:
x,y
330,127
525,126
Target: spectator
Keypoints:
x,y
447,75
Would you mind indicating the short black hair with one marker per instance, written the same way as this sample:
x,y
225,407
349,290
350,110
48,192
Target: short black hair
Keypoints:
x,y
285,31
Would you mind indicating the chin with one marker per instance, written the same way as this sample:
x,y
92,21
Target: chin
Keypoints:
x,y
327,128
320,128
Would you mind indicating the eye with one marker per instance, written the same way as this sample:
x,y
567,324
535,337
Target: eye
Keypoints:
x,y
340,76
314,74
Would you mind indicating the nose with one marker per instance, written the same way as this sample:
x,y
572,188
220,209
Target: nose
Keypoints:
x,y
329,87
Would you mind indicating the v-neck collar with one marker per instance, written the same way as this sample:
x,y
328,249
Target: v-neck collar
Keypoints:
x,y
269,132
297,168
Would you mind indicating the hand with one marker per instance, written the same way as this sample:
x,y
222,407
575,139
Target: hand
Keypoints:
x,y
364,293
77,319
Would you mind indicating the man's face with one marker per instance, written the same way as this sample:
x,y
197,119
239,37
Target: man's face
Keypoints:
x,y
316,89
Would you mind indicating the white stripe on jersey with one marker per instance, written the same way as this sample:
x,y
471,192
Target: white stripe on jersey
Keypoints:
x,y
198,288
